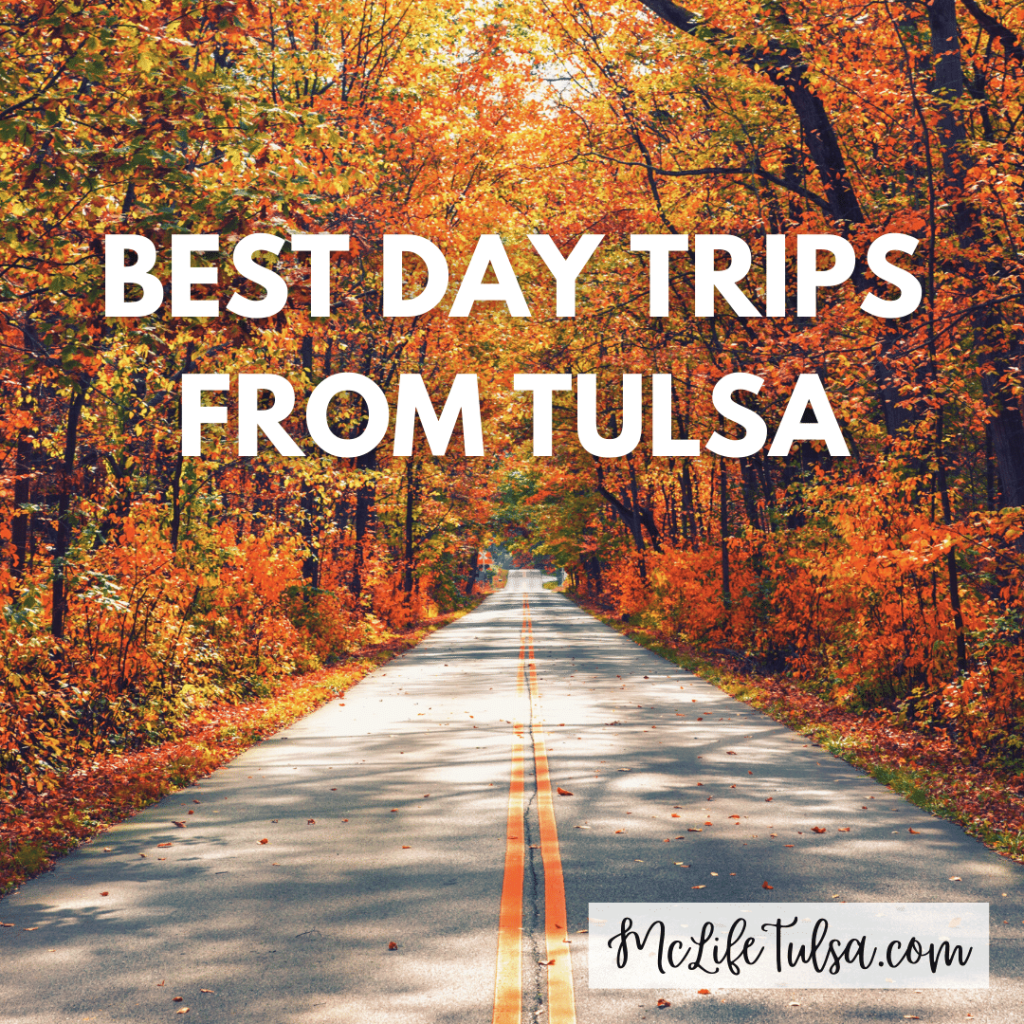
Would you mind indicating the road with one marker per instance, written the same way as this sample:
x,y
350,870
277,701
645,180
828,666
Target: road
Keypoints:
x,y
422,809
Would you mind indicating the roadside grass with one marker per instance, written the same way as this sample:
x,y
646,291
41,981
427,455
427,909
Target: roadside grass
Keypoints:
x,y
107,790
928,770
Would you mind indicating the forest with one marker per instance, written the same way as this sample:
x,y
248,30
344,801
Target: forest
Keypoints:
x,y
140,585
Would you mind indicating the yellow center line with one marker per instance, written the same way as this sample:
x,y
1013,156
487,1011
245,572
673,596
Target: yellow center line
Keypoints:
x,y
508,985
508,990
561,1004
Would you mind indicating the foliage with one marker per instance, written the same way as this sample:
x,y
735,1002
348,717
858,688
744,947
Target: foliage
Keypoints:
x,y
139,586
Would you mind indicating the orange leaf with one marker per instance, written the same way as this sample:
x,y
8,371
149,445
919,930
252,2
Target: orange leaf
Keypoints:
x,y
662,1003
163,846
563,792
703,991
392,945
180,824
263,842
765,885
913,832
104,893
819,830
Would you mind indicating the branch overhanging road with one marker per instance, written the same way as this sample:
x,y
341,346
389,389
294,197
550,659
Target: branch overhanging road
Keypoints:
x,y
424,811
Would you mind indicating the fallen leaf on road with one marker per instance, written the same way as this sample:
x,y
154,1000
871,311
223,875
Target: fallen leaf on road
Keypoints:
x,y
675,815
263,842
104,893
562,792
703,991
695,830
842,830
160,984
184,1009
406,847
619,831
733,752
180,824
789,846
792,1004
765,885
698,886
394,810
311,821
734,816
662,1003
208,991
955,878
178,999
392,945
768,799
34,929
819,830
545,963
162,846
914,832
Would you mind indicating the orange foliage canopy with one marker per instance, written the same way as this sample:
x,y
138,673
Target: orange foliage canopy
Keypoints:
x,y
138,585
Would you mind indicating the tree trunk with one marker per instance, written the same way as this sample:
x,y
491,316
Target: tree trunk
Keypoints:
x,y
62,544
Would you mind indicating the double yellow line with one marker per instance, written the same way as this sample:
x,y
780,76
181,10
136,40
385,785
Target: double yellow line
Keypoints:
x,y
508,991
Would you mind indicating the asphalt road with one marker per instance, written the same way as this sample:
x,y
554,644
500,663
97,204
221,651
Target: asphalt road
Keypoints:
x,y
386,818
